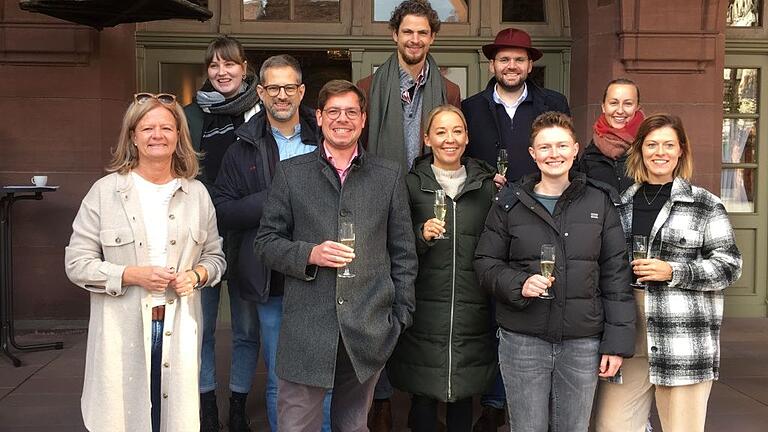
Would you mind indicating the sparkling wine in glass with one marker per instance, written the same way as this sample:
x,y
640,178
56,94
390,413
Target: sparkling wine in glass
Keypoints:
x,y
639,251
502,162
547,265
440,209
347,238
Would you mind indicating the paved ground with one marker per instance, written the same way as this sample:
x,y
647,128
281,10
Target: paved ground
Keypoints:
x,y
44,393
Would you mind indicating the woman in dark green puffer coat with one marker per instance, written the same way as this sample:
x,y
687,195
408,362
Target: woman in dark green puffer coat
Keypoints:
x,y
448,354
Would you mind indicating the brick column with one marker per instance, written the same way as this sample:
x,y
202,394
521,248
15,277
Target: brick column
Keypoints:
x,y
674,50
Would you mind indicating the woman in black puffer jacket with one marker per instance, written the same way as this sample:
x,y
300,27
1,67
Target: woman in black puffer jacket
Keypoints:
x,y
448,353
551,350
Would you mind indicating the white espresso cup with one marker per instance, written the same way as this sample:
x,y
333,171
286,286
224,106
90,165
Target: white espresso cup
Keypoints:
x,y
40,181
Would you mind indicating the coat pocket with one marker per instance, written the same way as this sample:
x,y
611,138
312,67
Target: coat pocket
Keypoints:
x,y
682,238
198,236
117,245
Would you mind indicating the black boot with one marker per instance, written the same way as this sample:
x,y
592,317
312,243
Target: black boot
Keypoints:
x,y
209,412
491,419
238,420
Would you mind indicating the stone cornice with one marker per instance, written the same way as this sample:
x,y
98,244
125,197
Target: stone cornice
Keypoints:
x,y
443,43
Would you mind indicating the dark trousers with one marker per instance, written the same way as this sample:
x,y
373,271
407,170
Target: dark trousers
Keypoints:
x,y
157,359
423,415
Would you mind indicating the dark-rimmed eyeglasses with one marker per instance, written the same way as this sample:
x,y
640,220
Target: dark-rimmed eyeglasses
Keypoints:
x,y
274,90
163,98
335,113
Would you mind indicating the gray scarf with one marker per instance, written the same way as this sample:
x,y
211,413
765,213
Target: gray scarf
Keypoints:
x,y
385,110
213,102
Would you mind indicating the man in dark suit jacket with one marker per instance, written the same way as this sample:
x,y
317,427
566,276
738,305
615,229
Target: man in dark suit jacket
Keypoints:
x,y
406,87
337,332
500,117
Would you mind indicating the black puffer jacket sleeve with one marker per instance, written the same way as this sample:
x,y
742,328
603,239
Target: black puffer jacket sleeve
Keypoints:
x,y
615,290
491,256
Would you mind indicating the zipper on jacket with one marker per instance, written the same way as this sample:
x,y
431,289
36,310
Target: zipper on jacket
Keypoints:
x,y
453,300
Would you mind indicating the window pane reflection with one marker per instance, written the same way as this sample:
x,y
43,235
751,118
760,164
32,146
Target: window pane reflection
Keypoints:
x,y
522,11
739,140
267,10
317,10
182,79
456,11
737,189
740,90
303,10
743,13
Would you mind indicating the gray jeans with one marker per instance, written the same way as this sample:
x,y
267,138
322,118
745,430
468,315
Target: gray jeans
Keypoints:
x,y
550,386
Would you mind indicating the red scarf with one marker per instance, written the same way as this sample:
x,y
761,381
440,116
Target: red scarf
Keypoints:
x,y
614,142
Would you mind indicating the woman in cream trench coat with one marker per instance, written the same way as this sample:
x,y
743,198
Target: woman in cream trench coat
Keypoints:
x,y
110,240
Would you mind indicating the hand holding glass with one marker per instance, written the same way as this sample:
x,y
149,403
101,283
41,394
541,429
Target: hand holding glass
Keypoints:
x,y
639,251
347,238
502,162
547,265
440,209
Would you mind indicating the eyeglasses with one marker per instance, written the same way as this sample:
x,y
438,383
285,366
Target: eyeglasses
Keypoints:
x,y
163,98
506,60
335,113
274,90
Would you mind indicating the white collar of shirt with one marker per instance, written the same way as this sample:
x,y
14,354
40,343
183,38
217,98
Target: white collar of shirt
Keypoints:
x,y
497,98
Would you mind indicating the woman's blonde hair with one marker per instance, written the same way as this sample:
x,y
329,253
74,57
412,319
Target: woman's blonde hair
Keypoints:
x,y
441,109
635,166
125,157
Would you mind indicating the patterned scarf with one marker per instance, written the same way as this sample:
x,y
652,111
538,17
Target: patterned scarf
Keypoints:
x,y
213,102
614,142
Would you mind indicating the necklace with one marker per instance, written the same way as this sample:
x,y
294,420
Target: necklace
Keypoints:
x,y
654,197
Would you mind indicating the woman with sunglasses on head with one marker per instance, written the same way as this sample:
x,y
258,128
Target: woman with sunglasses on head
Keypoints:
x,y
144,243
448,354
226,101
691,258
605,157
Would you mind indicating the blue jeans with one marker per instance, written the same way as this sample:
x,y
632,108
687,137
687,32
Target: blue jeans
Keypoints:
x,y
245,340
550,386
155,376
270,316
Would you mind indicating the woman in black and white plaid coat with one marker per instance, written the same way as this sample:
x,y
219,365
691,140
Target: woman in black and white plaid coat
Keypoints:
x,y
692,257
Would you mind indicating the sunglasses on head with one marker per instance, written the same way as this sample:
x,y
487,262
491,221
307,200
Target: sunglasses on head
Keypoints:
x,y
163,98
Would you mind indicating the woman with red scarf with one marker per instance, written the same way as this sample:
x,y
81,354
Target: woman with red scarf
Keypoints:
x,y
605,157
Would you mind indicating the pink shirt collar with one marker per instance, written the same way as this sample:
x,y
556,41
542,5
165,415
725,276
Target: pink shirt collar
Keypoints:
x,y
343,171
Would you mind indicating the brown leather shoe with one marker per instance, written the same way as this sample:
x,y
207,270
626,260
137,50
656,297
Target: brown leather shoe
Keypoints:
x,y
380,416
491,419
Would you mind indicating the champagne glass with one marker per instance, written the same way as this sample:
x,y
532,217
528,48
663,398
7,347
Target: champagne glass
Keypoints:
x,y
502,162
547,264
440,209
347,238
639,251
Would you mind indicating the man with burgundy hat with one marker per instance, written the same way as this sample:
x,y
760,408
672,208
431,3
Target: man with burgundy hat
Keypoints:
x,y
500,117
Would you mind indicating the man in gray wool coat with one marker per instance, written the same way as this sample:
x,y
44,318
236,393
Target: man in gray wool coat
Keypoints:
x,y
337,332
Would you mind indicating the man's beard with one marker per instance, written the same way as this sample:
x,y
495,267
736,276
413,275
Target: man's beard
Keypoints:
x,y
412,60
511,88
282,115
